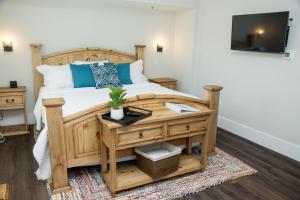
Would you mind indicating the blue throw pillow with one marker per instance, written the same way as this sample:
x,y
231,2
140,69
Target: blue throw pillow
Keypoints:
x,y
124,73
82,75
105,75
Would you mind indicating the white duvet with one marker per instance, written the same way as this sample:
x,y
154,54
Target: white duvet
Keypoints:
x,y
76,100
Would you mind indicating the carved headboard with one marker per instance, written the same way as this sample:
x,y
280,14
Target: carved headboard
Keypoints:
x,y
82,54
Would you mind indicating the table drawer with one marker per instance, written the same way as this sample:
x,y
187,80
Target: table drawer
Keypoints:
x,y
138,134
11,100
186,126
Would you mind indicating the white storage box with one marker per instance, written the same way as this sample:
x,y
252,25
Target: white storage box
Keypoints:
x,y
159,151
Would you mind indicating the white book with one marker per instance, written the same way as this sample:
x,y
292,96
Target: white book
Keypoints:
x,y
181,108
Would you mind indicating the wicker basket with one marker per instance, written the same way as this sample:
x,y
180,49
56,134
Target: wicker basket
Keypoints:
x,y
158,160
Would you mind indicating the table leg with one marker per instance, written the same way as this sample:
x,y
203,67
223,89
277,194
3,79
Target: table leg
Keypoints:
x,y
25,120
189,145
113,170
204,148
103,158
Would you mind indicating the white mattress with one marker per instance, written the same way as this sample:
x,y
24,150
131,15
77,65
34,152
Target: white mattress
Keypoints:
x,y
76,100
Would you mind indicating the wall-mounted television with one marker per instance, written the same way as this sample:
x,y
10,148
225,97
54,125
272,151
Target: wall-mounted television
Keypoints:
x,y
265,32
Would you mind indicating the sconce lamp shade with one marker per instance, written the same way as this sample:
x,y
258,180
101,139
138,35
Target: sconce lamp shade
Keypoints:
x,y
7,46
160,48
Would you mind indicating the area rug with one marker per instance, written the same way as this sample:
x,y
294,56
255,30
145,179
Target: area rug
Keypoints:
x,y
87,183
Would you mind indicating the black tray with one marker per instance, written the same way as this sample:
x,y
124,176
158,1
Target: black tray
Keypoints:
x,y
130,119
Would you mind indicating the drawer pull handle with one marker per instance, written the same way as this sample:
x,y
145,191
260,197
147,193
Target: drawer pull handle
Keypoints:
x,y
141,135
187,127
10,100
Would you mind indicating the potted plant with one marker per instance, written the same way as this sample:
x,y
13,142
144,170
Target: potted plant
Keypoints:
x,y
117,100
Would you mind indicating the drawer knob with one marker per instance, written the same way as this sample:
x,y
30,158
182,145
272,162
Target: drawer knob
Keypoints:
x,y
187,127
141,135
10,100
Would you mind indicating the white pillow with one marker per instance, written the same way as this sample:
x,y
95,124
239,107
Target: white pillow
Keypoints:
x,y
90,62
56,76
136,72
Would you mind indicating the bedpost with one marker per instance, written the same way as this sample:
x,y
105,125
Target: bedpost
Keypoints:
x,y
140,53
57,144
212,95
36,61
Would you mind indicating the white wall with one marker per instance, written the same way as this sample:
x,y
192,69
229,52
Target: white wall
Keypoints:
x,y
60,25
184,48
261,99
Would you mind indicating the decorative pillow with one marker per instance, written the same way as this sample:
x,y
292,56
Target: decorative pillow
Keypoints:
x,y
105,75
83,75
136,72
124,73
56,76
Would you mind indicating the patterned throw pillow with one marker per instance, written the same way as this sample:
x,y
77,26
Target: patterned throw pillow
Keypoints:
x,y
105,75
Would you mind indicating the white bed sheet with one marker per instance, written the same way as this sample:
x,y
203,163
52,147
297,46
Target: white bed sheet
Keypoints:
x,y
76,100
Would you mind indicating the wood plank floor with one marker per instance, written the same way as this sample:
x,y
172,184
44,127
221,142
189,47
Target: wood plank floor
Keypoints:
x,y
278,177
17,168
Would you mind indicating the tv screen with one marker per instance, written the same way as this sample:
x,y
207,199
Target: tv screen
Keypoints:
x,y
260,32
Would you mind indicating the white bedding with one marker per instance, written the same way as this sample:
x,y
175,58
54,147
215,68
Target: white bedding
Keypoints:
x,y
76,100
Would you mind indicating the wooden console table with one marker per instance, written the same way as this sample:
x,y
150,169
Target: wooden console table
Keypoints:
x,y
163,125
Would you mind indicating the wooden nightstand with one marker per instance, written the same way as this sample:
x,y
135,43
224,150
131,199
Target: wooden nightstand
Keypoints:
x,y
13,99
165,82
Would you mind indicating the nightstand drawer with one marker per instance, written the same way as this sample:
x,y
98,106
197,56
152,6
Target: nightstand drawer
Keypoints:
x,y
11,100
138,134
182,127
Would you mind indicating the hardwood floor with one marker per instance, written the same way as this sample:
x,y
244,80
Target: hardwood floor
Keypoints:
x,y
278,177
17,168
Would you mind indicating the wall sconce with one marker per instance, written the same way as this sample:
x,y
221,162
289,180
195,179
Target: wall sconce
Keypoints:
x,y
7,46
160,48
260,31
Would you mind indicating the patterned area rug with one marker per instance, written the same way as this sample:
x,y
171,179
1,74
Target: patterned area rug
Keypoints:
x,y
87,183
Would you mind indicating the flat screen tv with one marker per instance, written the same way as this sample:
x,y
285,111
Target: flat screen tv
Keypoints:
x,y
265,32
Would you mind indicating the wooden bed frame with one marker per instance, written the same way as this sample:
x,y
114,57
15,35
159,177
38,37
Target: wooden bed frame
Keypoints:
x,y
75,140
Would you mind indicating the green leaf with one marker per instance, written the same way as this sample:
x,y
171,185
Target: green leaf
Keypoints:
x,y
117,95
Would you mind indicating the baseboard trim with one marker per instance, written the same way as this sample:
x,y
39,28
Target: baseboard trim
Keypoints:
x,y
264,139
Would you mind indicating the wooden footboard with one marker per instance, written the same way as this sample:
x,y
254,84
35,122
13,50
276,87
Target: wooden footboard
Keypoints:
x,y
75,140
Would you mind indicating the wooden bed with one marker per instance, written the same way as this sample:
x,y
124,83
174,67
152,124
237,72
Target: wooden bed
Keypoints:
x,y
75,140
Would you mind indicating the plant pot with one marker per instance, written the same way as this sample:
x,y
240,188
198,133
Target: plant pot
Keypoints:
x,y
117,114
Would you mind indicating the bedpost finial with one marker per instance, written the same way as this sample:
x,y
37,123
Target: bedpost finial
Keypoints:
x,y
140,46
36,45
53,102
213,88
